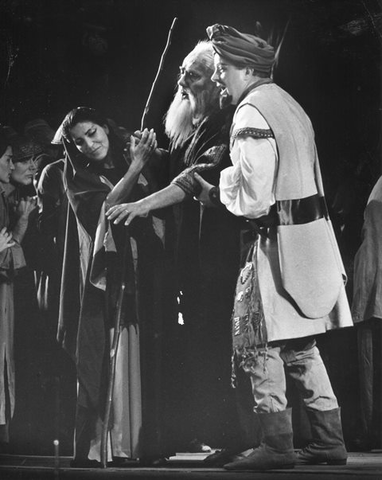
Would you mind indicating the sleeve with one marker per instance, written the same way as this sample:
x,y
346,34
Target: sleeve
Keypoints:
x,y
247,187
209,161
49,191
86,195
11,259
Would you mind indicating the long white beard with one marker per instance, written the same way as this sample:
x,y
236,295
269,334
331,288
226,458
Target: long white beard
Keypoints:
x,y
179,120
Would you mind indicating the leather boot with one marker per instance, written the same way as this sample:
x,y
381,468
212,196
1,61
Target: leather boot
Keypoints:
x,y
327,444
249,428
226,455
276,449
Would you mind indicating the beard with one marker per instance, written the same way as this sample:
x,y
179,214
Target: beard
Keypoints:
x,y
185,113
179,120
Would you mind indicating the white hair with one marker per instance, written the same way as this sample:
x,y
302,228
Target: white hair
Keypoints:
x,y
180,119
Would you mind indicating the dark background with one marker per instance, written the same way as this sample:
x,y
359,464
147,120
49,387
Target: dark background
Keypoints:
x,y
105,54
58,54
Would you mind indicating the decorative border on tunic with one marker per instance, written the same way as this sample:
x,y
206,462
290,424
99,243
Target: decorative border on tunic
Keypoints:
x,y
252,132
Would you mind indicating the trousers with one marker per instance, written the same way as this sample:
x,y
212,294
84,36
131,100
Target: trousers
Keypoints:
x,y
301,360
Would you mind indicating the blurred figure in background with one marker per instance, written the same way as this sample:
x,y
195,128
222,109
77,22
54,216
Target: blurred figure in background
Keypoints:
x,y
11,261
39,131
30,345
367,315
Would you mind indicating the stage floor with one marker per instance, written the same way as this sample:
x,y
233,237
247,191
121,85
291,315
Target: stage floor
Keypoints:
x,y
360,466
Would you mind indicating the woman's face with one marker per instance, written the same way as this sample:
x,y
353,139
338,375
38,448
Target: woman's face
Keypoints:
x,y
24,171
6,165
91,139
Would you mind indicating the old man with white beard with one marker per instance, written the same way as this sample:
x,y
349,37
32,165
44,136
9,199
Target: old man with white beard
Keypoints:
x,y
198,397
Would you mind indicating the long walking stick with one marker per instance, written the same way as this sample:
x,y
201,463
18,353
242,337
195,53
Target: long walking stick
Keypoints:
x,y
118,323
160,68
118,314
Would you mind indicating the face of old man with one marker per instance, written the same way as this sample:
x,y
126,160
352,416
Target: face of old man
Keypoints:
x,y
195,85
196,96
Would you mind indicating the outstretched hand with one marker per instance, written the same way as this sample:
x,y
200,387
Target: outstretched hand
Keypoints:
x,y
127,212
204,197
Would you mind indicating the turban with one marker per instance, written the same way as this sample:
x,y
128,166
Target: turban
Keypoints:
x,y
241,49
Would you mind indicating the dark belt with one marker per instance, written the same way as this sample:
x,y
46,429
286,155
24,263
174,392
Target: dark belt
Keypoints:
x,y
303,210
288,212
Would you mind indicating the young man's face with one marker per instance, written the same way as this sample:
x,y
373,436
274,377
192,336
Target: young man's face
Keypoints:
x,y
232,80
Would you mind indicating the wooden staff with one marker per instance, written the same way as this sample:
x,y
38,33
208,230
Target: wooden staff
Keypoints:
x,y
160,68
118,321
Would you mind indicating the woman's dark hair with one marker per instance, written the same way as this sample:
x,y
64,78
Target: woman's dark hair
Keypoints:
x,y
87,114
81,114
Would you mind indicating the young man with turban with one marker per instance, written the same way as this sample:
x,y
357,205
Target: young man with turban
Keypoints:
x,y
292,285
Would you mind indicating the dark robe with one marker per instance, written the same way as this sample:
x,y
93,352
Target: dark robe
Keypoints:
x,y
207,250
87,313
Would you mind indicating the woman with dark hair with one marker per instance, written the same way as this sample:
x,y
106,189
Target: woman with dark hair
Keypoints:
x,y
101,170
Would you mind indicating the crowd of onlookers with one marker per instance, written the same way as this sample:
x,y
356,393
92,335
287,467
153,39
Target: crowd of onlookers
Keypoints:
x,y
30,276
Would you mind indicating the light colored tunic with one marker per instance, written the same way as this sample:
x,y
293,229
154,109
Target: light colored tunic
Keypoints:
x,y
300,272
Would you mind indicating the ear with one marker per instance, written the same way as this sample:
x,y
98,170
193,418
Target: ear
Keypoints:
x,y
249,71
106,128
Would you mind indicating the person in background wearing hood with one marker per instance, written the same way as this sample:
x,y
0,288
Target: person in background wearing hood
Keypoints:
x,y
291,286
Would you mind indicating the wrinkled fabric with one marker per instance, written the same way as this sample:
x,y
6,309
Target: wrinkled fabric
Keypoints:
x,y
207,249
292,172
302,362
9,259
367,315
88,313
51,221
367,289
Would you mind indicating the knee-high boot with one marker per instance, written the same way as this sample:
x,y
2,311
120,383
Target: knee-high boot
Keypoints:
x,y
276,448
327,444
